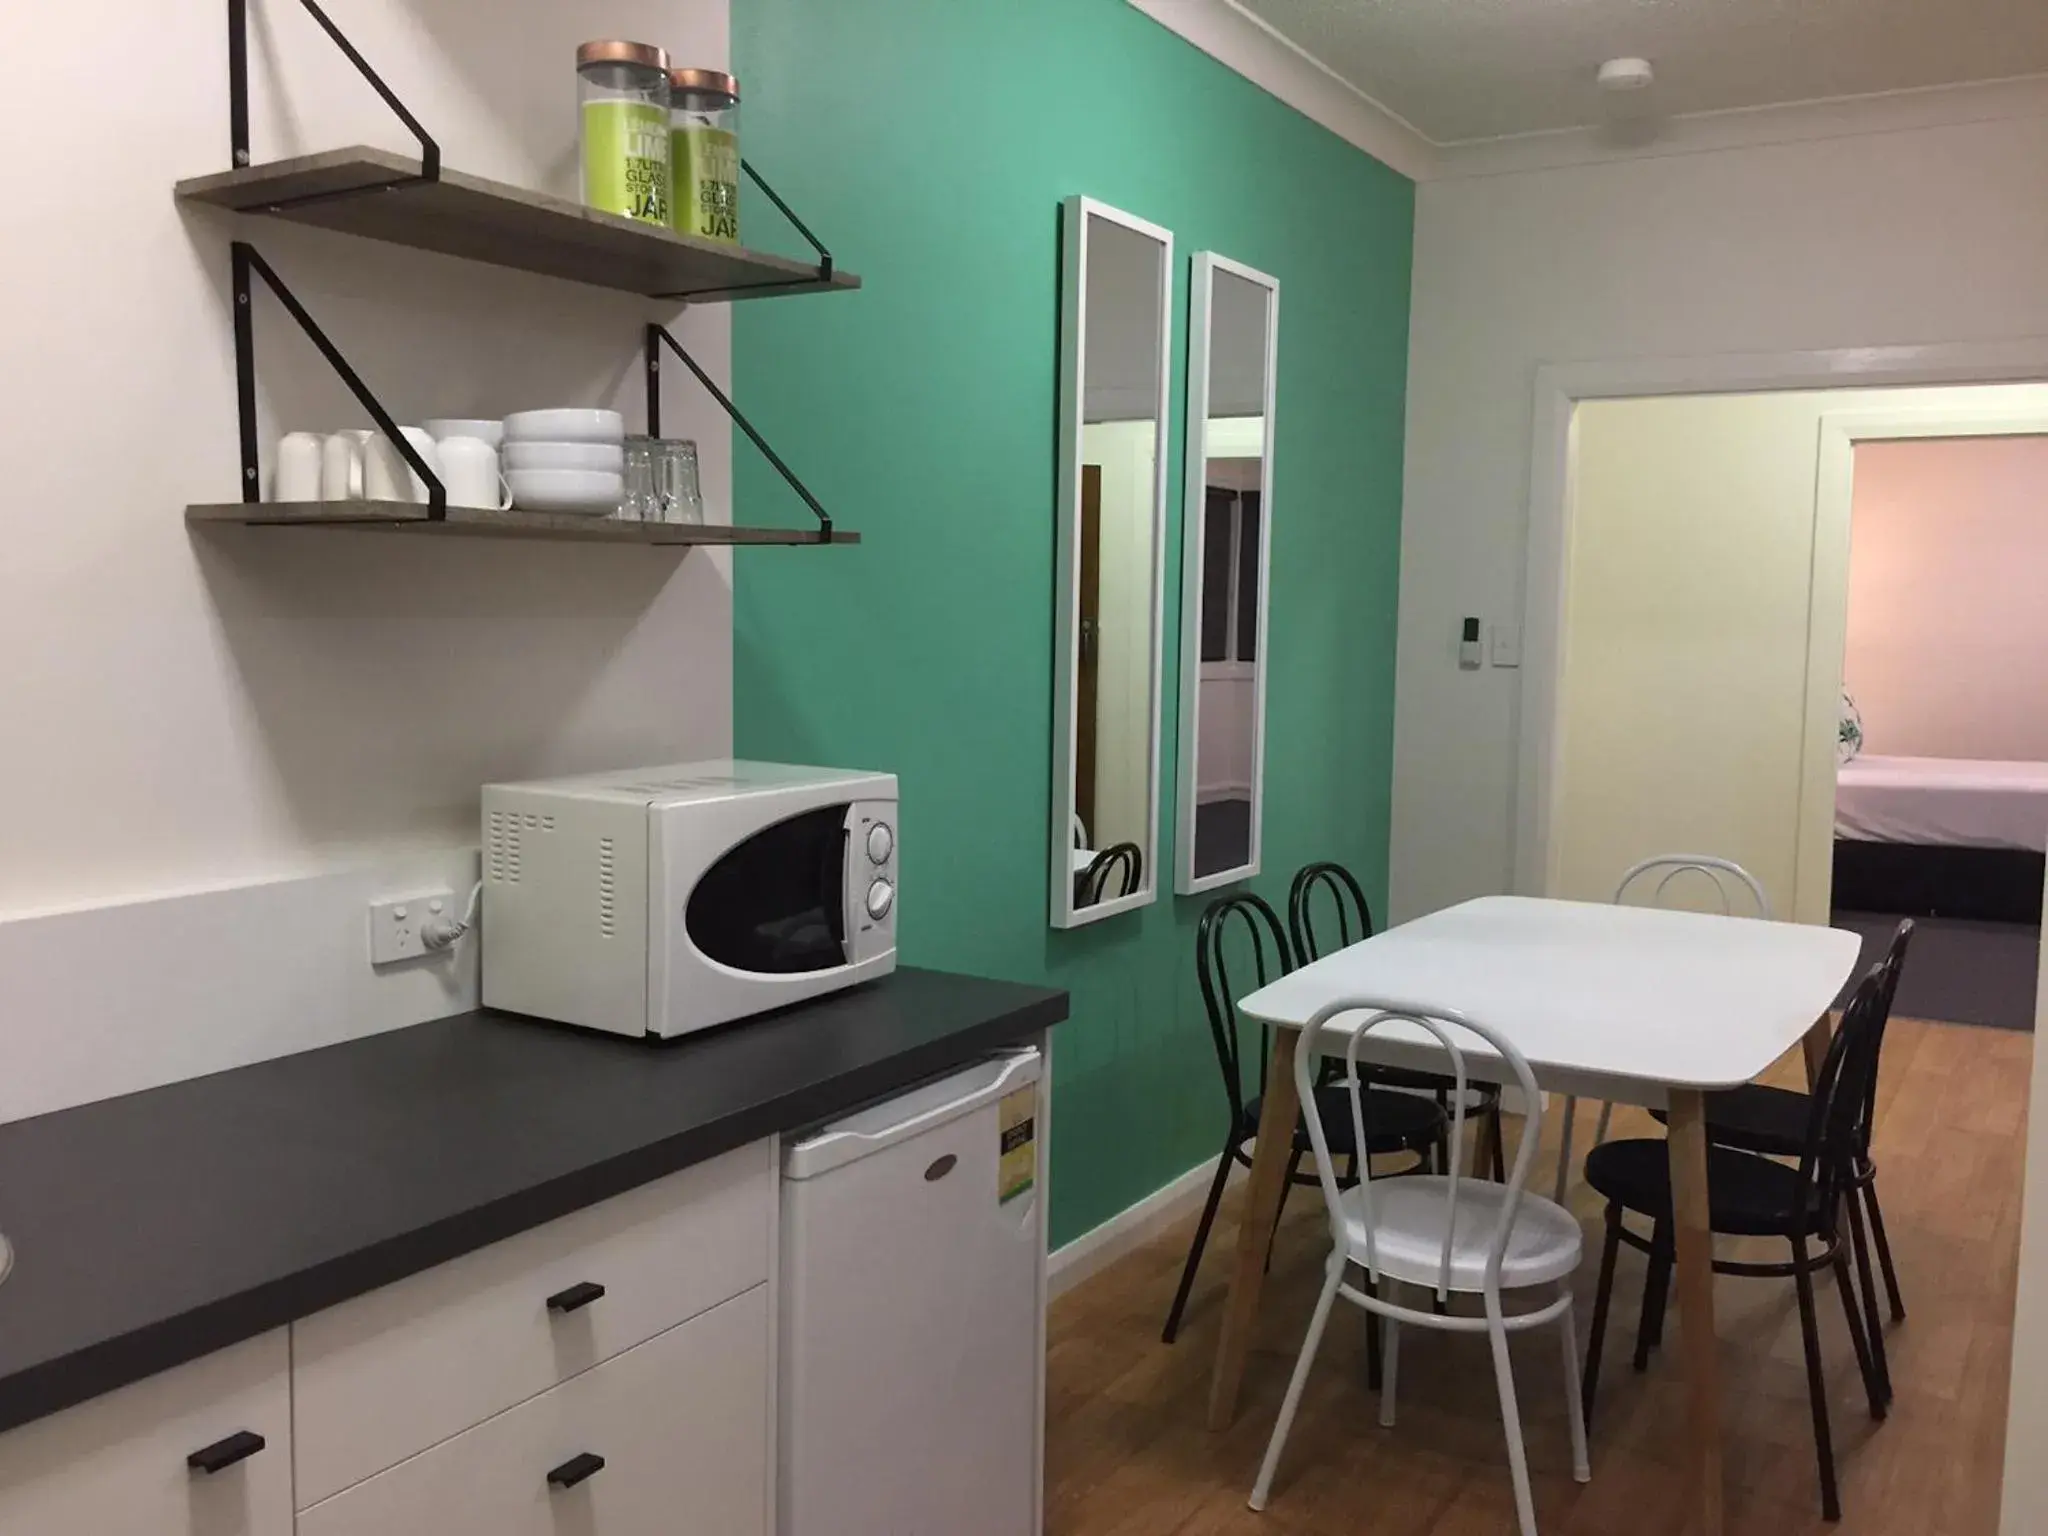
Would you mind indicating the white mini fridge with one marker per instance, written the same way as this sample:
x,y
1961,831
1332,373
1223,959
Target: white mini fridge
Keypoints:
x,y
912,1348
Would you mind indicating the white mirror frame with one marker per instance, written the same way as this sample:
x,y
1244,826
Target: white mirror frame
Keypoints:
x,y
1195,475
1076,214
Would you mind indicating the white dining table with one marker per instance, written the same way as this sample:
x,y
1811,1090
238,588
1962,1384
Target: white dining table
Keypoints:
x,y
1632,1004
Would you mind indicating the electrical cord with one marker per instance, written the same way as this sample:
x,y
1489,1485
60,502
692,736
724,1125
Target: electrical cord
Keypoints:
x,y
441,933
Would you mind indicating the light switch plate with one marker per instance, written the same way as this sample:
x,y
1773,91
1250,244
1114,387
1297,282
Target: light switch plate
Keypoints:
x,y
396,921
1507,645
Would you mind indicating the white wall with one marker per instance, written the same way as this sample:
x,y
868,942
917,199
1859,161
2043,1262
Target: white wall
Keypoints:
x,y
1935,234
189,711
1947,650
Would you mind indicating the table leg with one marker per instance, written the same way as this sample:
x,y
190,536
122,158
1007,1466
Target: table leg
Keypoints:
x,y
1695,1291
1815,1045
1277,1117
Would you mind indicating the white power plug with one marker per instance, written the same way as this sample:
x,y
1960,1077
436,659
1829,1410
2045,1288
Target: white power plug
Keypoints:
x,y
404,927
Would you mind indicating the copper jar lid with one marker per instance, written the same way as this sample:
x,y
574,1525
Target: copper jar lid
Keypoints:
x,y
706,87
618,51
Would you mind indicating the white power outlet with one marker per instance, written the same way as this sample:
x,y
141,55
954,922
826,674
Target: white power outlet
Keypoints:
x,y
396,921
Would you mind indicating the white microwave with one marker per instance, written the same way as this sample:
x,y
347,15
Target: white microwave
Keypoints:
x,y
666,900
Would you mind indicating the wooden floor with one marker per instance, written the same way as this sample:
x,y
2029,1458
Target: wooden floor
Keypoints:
x,y
1128,1455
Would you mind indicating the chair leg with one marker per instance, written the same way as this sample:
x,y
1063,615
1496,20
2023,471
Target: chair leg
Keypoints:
x,y
1574,1389
1602,1293
1656,1291
1391,1351
1816,1383
1298,1381
1286,1189
1873,1326
1500,1157
1564,1149
1375,1365
1873,1381
1187,1273
1884,1253
1511,1417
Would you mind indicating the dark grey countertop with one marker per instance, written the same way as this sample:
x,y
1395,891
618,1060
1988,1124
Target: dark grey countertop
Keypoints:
x,y
157,1227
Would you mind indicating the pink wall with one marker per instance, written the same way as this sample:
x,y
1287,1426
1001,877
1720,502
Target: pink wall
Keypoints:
x,y
1948,597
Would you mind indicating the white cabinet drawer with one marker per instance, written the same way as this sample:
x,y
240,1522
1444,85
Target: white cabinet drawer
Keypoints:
x,y
681,1424
116,1466
389,1374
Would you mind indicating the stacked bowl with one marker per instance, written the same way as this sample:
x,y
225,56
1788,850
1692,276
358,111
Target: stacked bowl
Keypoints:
x,y
568,461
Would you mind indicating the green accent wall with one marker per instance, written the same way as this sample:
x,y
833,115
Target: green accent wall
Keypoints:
x,y
930,143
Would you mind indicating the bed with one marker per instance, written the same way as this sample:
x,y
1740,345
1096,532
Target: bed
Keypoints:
x,y
1941,837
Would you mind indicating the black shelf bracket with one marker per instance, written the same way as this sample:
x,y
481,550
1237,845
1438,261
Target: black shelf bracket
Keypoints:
x,y
825,263
238,102
657,337
246,264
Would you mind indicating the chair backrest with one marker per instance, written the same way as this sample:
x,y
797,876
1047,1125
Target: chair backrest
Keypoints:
x,y
1345,899
1322,1033
1123,860
1269,959
1888,970
1837,1114
1729,880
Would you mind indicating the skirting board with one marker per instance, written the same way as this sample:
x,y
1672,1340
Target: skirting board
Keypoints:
x,y
1130,1229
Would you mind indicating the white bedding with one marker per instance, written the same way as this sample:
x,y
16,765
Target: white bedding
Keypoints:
x,y
1947,802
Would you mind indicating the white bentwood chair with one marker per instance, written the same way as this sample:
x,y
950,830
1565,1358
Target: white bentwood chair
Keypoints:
x,y
1448,1232
1730,881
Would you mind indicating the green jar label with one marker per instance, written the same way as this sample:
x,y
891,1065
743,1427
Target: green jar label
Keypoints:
x,y
625,159
707,184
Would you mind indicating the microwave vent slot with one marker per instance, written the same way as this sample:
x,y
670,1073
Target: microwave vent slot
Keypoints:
x,y
607,888
503,853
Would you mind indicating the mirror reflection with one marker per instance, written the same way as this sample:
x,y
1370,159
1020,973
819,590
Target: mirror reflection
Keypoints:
x,y
1228,474
1112,547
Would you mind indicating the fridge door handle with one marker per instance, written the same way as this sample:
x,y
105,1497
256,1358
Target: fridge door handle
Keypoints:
x,y
1017,1066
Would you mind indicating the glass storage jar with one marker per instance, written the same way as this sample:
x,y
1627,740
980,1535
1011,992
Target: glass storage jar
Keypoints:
x,y
622,94
704,111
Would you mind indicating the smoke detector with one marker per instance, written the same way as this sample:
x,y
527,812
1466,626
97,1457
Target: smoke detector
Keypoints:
x,y
1620,77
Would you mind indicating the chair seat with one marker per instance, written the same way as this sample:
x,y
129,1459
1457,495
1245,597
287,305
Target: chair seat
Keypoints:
x,y
1756,1118
1394,1122
1409,1236
1478,1096
1748,1195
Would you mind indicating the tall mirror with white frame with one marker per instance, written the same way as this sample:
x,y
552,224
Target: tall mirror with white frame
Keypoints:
x,y
1233,332
1116,324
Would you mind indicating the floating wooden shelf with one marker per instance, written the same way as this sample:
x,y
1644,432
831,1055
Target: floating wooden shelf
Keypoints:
x,y
472,522
378,194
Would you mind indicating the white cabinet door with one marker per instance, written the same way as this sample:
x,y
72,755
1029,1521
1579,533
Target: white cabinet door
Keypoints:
x,y
117,1466
388,1374
680,1424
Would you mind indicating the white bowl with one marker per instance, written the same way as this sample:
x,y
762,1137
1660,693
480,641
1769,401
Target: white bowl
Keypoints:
x,y
583,491
609,458
444,427
565,426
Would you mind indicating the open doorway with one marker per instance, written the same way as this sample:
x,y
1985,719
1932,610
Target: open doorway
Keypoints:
x,y
1941,803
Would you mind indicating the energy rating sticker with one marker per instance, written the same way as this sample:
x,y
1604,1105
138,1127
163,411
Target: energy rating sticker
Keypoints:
x,y
1018,1168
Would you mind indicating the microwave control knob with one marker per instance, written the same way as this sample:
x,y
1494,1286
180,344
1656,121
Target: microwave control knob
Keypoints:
x,y
881,843
881,897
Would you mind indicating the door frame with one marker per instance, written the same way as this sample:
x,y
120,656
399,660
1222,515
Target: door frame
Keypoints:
x,y
1828,604
1559,389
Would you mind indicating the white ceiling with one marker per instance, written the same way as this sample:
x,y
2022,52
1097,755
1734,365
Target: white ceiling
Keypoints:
x,y
1476,69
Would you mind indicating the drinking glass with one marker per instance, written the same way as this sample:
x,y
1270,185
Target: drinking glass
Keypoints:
x,y
677,493
641,502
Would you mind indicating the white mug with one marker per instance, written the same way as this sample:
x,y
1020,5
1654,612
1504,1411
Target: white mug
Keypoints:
x,y
341,467
298,468
469,468
386,475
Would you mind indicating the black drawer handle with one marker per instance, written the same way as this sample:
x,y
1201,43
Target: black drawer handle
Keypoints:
x,y
576,1469
222,1454
576,1298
